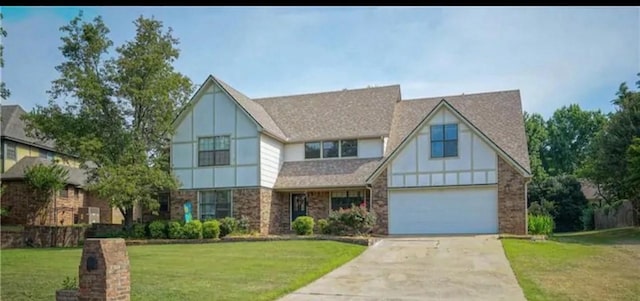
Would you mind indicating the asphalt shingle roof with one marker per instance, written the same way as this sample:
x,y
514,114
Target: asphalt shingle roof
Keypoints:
x,y
353,113
254,109
77,176
325,173
14,128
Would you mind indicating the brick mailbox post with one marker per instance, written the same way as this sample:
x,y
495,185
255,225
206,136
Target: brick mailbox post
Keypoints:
x,y
104,271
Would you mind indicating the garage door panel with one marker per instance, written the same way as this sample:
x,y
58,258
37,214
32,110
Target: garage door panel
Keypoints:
x,y
444,211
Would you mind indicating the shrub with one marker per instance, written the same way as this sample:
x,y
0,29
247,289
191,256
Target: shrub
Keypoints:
x,y
323,226
69,283
211,229
174,230
540,224
588,218
139,230
243,225
566,194
158,229
303,225
193,229
228,225
354,221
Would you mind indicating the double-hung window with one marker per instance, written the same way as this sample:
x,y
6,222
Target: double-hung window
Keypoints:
x,y
214,204
214,150
11,150
444,140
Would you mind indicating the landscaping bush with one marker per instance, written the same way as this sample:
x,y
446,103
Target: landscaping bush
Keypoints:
x,y
192,229
243,225
540,224
211,229
139,230
228,225
323,226
158,229
354,221
174,230
588,218
303,225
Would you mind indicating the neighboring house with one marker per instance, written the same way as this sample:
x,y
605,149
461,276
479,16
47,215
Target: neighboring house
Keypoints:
x,y
453,164
590,191
20,152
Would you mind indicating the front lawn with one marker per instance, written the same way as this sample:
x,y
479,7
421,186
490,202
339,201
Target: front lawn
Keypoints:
x,y
595,265
218,271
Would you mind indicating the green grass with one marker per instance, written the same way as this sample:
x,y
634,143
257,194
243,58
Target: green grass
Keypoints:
x,y
222,271
595,265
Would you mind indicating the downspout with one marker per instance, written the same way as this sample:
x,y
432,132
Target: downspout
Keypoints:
x,y
370,196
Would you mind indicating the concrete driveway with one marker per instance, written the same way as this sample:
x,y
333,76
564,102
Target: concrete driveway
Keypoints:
x,y
421,268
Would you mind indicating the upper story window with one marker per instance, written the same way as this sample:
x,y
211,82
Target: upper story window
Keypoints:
x,y
45,154
312,150
444,140
349,148
11,150
214,150
331,149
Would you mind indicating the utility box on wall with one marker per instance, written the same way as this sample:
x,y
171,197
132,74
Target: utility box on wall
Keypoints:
x,y
89,215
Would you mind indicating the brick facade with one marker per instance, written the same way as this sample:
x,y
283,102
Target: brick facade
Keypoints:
x,y
246,202
512,202
176,204
379,204
318,204
62,211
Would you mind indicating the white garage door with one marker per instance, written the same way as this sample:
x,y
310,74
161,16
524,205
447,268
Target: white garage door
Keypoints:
x,y
443,211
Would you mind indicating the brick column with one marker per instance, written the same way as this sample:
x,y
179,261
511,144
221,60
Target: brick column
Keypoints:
x,y
104,271
512,202
380,204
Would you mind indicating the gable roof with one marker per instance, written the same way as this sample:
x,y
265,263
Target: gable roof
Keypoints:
x,y
13,127
250,107
366,112
325,173
255,111
496,115
77,176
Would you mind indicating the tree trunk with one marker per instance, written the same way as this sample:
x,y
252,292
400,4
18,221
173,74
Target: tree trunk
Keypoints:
x,y
128,217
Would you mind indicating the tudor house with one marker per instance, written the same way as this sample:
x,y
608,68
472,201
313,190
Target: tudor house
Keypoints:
x,y
440,165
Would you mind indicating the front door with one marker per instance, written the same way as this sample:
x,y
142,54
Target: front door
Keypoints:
x,y
298,205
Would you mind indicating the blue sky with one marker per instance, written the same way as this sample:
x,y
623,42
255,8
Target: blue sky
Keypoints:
x,y
553,55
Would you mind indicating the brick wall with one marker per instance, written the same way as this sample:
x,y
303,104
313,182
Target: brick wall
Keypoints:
x,y
272,212
176,204
318,204
18,198
512,203
380,203
246,202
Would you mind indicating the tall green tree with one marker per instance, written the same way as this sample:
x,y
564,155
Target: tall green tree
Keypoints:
x,y
45,181
537,136
570,133
4,92
613,159
122,108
